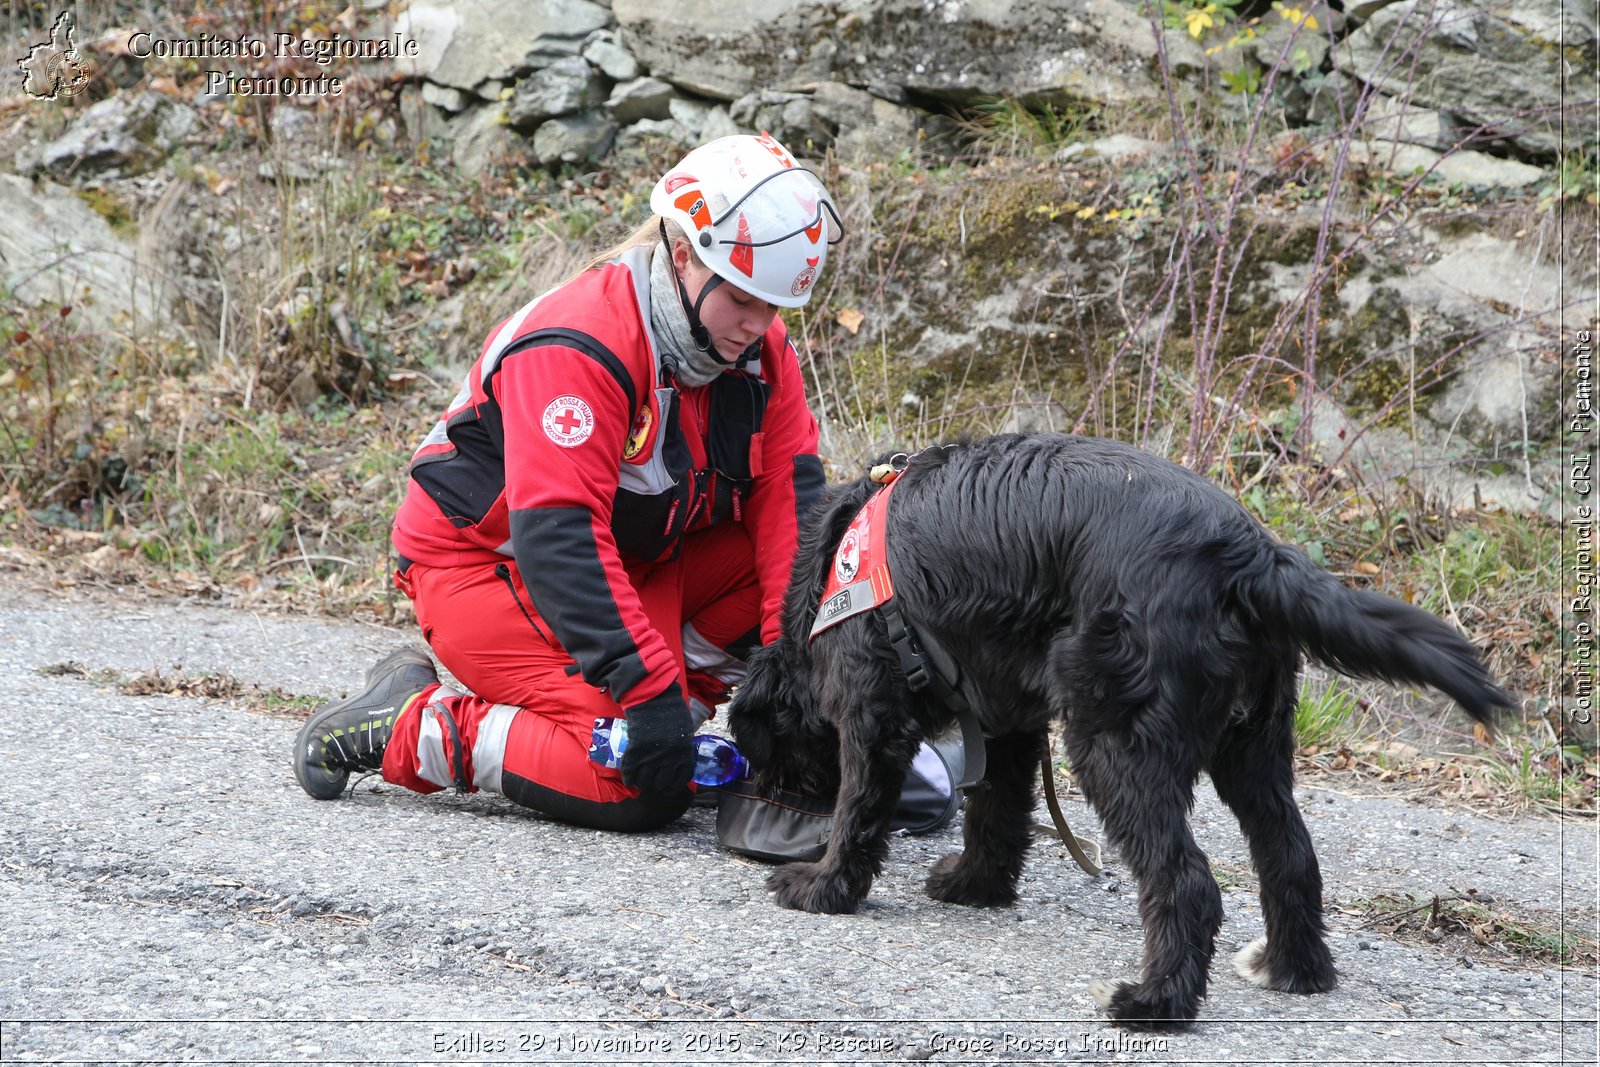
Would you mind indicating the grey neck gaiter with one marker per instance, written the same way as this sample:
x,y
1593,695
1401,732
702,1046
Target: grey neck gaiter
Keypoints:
x,y
670,324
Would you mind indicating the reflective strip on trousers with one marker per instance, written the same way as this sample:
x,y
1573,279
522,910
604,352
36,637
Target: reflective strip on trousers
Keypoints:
x,y
700,654
489,751
433,763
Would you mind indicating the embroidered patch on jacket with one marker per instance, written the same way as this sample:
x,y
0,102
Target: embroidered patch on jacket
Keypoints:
x,y
568,421
859,578
639,434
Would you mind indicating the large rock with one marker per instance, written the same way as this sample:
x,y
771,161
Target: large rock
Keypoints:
x,y
566,87
121,135
1471,314
617,62
704,122
574,139
464,42
1473,169
790,117
866,126
1389,119
1034,51
55,248
642,98
482,139
1496,64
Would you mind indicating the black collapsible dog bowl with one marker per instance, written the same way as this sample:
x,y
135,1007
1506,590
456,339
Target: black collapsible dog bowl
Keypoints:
x,y
773,825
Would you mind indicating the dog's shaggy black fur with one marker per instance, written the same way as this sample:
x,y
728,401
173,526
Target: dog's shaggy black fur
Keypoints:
x,y
1084,580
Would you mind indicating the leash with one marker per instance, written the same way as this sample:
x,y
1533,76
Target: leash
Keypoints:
x,y
1080,847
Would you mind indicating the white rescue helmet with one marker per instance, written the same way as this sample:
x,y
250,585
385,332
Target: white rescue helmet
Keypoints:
x,y
757,218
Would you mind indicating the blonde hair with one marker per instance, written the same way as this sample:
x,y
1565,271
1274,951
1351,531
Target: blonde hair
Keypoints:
x,y
649,232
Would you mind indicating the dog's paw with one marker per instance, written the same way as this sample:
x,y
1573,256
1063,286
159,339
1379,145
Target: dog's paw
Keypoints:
x,y
1313,974
803,887
1133,1006
1249,963
1103,990
953,883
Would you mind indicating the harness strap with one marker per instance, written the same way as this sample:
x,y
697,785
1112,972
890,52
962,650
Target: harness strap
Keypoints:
x,y
927,666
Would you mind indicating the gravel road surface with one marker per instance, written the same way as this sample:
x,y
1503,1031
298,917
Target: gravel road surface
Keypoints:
x,y
170,894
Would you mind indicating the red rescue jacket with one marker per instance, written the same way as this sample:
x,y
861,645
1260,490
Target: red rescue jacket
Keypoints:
x,y
572,451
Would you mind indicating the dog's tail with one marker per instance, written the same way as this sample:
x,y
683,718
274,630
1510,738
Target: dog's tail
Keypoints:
x,y
1364,634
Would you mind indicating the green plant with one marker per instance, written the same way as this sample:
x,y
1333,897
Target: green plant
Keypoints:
x,y
1324,715
1198,17
1246,81
1577,178
1012,128
1534,765
1290,518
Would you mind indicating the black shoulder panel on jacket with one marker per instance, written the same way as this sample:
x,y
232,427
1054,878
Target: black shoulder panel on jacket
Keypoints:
x,y
589,346
560,563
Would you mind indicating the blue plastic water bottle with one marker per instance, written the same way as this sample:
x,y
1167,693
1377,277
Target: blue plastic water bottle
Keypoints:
x,y
716,761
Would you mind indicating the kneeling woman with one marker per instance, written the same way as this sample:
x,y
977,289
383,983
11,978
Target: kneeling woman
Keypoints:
x,y
602,523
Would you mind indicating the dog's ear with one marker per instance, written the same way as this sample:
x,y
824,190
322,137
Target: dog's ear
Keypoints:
x,y
757,704
813,558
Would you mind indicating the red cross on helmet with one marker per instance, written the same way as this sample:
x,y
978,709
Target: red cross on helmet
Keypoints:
x,y
757,218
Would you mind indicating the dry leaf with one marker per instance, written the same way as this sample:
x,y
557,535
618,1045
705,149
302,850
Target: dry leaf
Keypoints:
x,y
850,319
1367,567
1401,751
102,556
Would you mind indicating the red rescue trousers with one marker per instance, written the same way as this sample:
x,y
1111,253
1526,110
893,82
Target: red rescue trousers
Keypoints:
x,y
524,729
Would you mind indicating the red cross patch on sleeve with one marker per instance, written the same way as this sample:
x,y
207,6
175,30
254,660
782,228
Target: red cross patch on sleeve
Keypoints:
x,y
568,421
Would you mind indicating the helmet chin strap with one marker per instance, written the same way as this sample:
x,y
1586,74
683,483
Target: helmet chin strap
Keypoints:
x,y
697,328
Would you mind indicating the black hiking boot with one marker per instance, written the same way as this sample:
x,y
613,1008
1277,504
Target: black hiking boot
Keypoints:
x,y
351,734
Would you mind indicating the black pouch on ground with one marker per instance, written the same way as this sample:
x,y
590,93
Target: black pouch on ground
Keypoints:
x,y
782,826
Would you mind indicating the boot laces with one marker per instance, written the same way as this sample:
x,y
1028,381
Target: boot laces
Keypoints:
x,y
359,746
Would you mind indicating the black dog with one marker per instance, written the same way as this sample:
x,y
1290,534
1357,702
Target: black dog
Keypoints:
x,y
1084,580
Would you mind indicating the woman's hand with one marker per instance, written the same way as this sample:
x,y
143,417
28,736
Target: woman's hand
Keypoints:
x,y
659,758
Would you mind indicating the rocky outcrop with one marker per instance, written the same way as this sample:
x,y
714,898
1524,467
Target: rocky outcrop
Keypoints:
x,y
1443,69
121,135
871,75
1499,66
56,249
566,87
464,43
959,51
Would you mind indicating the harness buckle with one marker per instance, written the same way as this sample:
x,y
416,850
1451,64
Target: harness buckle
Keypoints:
x,y
913,664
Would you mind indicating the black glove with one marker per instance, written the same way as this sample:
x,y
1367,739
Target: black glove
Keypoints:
x,y
660,757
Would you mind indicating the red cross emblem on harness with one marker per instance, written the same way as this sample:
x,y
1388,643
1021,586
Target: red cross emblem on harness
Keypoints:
x,y
859,578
